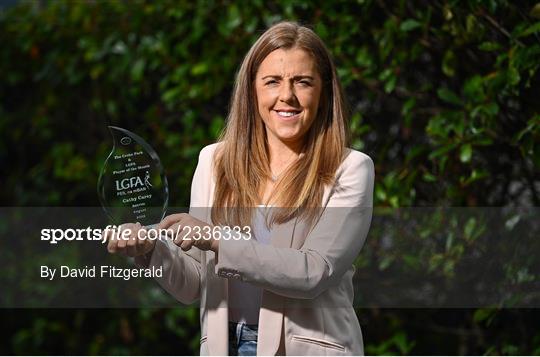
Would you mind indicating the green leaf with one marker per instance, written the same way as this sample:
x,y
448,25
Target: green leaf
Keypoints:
x,y
409,25
380,194
411,260
449,241
435,262
448,96
469,228
449,63
171,95
429,177
234,17
441,151
512,221
404,346
513,76
535,11
385,262
530,30
489,46
138,69
390,84
474,89
199,69
476,175
449,268
385,74
408,106
481,315
364,58
510,350
465,153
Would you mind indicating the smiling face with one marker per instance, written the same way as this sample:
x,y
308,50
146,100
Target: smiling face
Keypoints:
x,y
288,87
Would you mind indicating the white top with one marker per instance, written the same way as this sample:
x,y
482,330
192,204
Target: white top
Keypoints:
x,y
244,298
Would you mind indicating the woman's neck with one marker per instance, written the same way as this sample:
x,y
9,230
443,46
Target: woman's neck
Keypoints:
x,y
281,156
282,153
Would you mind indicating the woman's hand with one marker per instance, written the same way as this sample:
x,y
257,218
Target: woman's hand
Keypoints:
x,y
131,243
192,232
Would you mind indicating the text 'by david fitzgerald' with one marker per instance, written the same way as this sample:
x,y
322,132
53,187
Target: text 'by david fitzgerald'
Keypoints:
x,y
99,271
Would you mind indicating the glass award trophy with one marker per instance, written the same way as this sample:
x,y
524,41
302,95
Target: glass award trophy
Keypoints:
x,y
132,186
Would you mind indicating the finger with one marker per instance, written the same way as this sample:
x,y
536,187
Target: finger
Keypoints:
x,y
139,240
142,242
184,240
131,241
142,237
177,230
108,233
179,233
112,246
170,220
126,230
203,244
131,246
187,244
112,240
121,242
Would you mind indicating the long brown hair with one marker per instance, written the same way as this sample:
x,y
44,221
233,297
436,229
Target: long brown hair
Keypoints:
x,y
242,159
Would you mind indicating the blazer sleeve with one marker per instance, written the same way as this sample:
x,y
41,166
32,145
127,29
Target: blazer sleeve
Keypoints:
x,y
328,251
182,270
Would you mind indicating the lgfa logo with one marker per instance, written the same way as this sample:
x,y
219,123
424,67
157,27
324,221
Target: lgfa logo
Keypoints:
x,y
133,182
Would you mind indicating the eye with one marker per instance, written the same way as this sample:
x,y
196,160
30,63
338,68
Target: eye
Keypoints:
x,y
305,83
270,82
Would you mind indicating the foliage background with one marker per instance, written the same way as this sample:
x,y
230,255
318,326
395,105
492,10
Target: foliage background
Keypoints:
x,y
444,98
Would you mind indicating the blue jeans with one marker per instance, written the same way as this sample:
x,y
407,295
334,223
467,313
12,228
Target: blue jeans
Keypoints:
x,y
242,339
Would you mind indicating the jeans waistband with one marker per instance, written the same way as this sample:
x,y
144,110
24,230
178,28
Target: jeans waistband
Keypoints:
x,y
242,331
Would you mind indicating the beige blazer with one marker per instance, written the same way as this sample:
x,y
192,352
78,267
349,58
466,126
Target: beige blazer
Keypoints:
x,y
306,272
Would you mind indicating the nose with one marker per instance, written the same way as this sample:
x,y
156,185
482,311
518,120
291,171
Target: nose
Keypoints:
x,y
286,93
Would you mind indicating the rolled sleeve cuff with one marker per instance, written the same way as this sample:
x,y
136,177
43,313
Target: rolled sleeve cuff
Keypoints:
x,y
229,252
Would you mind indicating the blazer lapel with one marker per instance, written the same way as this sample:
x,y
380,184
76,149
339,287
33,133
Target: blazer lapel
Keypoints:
x,y
217,292
217,311
271,312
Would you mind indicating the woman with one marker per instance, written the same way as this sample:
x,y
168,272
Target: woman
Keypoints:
x,y
288,289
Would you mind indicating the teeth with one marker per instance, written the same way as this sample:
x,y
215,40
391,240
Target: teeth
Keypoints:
x,y
287,114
